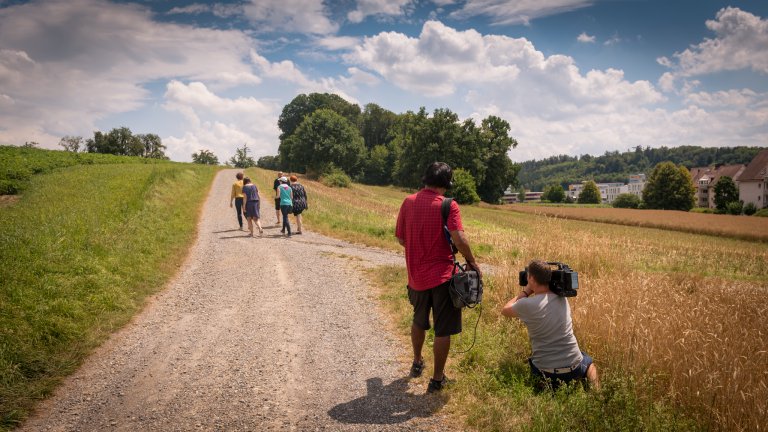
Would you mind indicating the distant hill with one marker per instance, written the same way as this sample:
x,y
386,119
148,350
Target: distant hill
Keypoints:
x,y
617,167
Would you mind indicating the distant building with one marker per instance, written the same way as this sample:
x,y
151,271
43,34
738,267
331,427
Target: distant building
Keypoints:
x,y
705,179
753,181
511,197
609,191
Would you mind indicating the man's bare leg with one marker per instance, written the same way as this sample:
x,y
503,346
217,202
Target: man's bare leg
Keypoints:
x,y
441,349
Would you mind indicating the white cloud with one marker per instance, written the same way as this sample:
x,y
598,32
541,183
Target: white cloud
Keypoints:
x,y
294,16
220,124
377,7
517,12
741,42
64,74
726,99
585,38
193,9
337,42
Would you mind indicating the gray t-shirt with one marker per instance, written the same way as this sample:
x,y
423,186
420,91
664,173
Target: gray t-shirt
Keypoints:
x,y
548,318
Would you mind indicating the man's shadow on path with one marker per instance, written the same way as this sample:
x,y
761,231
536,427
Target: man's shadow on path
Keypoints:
x,y
389,404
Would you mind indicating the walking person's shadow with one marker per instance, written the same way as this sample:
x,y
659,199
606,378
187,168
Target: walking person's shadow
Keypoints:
x,y
389,404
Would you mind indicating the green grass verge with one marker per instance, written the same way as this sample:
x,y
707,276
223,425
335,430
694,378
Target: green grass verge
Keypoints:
x,y
19,164
79,254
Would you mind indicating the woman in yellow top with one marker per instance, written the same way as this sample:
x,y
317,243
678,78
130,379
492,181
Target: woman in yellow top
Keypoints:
x,y
237,197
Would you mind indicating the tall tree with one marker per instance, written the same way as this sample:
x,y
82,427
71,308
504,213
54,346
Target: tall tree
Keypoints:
x,y
726,192
669,187
72,143
590,194
325,140
499,171
554,193
151,146
375,125
205,157
241,158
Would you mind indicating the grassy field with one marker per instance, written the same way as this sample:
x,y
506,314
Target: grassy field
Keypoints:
x,y
676,321
741,227
80,252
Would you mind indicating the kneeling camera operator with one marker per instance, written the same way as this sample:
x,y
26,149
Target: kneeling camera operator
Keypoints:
x,y
542,306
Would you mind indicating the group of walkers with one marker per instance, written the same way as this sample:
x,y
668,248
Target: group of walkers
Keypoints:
x,y
290,197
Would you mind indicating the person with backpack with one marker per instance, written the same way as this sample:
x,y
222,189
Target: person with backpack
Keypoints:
x,y
429,261
284,194
299,201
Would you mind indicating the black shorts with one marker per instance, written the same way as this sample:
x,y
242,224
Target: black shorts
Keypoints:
x,y
447,318
277,203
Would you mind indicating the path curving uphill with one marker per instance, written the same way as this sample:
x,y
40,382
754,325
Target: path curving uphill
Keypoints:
x,y
253,334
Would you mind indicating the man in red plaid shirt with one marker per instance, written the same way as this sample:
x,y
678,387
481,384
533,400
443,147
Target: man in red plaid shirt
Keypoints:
x,y
430,267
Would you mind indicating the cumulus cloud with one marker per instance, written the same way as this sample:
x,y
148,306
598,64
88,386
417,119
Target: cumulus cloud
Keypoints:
x,y
221,10
377,7
335,43
294,16
218,123
740,42
516,12
585,38
442,60
63,74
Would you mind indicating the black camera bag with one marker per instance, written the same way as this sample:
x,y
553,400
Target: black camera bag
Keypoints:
x,y
466,287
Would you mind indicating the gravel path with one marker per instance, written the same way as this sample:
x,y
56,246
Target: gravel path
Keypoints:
x,y
253,334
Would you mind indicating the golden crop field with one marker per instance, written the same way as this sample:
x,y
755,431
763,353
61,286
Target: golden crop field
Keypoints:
x,y
744,227
683,312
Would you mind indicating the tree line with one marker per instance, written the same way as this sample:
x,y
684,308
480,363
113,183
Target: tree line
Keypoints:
x,y
617,167
119,141
323,134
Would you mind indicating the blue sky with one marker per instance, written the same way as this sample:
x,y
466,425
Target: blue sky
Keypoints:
x,y
570,76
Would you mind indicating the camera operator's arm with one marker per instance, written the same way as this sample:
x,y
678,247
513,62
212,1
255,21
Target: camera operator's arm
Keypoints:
x,y
460,240
508,310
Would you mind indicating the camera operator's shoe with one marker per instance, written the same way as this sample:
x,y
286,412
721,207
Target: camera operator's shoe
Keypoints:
x,y
436,386
417,369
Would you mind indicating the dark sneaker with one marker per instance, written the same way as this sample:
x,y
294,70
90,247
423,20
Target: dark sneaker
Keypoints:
x,y
417,369
436,386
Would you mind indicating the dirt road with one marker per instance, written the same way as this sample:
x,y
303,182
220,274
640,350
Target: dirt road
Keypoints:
x,y
253,334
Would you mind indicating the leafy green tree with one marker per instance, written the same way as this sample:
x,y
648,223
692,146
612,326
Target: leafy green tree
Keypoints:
x,y
521,194
303,105
269,162
151,146
378,166
31,144
376,125
325,140
726,192
463,189
121,141
669,187
626,200
495,170
241,158
590,194
554,193
750,209
734,208
72,143
205,157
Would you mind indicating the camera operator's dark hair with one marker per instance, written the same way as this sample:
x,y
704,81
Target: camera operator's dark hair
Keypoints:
x,y
438,174
541,271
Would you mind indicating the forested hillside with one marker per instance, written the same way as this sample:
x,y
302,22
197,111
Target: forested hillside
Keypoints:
x,y
617,167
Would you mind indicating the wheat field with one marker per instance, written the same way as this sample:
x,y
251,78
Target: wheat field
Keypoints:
x,y
684,313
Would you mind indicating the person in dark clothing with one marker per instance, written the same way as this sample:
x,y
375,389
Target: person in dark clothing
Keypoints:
x,y
299,201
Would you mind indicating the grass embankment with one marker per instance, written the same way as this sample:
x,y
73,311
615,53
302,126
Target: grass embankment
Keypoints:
x,y
79,254
19,164
675,321
740,227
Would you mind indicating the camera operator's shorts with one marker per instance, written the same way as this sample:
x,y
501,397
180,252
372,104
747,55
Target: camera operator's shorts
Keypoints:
x,y
277,203
447,318
578,372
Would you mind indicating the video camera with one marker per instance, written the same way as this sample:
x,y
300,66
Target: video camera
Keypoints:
x,y
564,281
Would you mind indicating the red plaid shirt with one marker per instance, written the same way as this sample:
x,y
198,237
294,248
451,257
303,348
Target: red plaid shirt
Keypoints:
x,y
427,254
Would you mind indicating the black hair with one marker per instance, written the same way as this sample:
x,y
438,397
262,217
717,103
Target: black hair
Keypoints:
x,y
438,174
